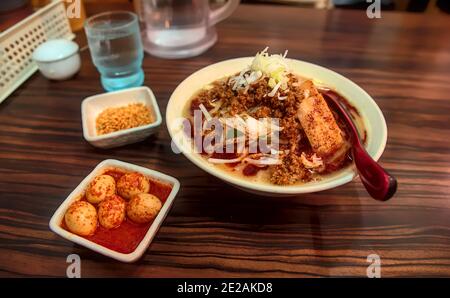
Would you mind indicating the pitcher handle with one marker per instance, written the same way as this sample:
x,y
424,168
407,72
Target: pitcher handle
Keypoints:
x,y
223,12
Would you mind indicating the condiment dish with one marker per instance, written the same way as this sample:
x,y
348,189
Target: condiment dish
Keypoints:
x,y
58,217
92,106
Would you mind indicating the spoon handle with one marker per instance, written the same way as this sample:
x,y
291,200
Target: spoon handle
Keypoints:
x,y
378,182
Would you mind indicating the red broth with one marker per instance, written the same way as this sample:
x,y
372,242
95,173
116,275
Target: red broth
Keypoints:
x,y
128,235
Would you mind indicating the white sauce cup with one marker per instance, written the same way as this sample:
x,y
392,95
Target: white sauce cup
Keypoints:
x,y
57,59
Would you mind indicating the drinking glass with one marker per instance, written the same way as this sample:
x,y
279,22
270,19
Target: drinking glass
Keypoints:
x,y
116,49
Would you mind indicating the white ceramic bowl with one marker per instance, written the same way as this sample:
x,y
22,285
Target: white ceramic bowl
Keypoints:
x,y
92,106
57,59
371,114
57,218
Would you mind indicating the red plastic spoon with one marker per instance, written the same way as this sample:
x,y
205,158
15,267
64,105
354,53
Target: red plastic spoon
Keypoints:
x,y
377,181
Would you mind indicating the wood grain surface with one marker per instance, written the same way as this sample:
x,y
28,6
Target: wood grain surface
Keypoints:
x,y
215,230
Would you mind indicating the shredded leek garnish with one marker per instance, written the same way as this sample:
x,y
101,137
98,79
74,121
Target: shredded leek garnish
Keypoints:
x,y
273,67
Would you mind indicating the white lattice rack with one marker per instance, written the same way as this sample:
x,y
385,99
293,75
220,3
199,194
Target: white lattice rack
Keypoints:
x,y
18,43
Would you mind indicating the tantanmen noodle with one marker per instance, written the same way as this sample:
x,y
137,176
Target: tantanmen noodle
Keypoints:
x,y
128,235
286,131
304,145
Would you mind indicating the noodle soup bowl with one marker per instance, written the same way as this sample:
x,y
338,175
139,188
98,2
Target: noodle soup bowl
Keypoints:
x,y
371,115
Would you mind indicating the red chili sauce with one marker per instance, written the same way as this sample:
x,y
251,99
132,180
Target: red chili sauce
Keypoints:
x,y
128,235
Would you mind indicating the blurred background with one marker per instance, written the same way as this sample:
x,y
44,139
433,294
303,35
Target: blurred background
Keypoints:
x,y
404,5
12,11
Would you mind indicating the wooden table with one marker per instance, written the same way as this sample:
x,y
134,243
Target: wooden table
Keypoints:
x,y
215,230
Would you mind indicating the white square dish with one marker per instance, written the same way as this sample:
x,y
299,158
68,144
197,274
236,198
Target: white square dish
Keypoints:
x,y
58,216
92,106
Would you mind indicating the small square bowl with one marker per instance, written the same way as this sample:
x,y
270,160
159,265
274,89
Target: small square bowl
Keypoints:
x,y
92,106
57,218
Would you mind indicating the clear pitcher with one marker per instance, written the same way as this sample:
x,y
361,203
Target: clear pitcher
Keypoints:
x,y
180,28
